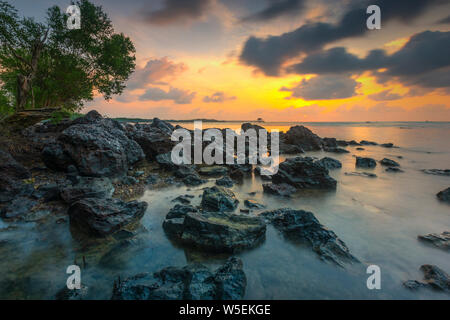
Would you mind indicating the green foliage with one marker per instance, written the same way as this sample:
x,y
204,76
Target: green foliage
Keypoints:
x,y
73,63
59,115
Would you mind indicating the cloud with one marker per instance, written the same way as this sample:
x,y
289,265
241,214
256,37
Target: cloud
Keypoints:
x,y
270,53
175,11
385,96
444,21
154,72
277,8
324,88
176,95
218,97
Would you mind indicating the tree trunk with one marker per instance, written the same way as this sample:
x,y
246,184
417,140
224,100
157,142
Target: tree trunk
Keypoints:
x,y
23,90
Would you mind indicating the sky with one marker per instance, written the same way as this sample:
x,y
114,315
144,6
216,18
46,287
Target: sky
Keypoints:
x,y
280,60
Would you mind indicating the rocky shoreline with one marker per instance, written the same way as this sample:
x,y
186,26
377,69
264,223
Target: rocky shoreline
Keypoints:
x,y
92,171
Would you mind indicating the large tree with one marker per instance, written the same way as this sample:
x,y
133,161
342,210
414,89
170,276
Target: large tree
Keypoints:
x,y
49,65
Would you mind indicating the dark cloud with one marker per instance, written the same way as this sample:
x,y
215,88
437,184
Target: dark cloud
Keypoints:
x,y
277,8
176,95
444,21
385,95
324,88
178,10
218,97
269,54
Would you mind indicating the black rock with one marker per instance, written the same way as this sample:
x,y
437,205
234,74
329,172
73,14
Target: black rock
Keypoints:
x,y
365,162
434,278
329,163
219,199
361,174
437,172
441,241
252,204
304,173
389,163
303,138
55,158
302,226
182,199
387,145
87,187
281,189
180,211
335,150
75,294
192,282
393,169
48,192
11,175
129,180
184,170
18,208
165,161
153,140
444,195
225,182
213,171
102,217
367,143
193,180
258,172
152,179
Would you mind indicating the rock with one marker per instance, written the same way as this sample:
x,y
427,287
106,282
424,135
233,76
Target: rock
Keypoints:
x,y
365,162
237,175
138,174
335,150
387,145
153,141
75,294
258,170
281,189
303,173
219,199
183,199
361,174
152,179
247,125
55,158
329,142
180,211
342,143
213,171
389,163
367,143
216,232
102,217
129,180
97,146
303,138
252,204
9,166
329,163
444,195
87,188
289,148
244,210
437,172
192,282
225,182
393,169
162,125
18,208
434,278
183,171
360,149
11,175
353,143
47,192
165,161
193,180
302,226
441,241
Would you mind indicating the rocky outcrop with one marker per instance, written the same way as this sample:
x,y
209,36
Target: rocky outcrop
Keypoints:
x,y
252,204
329,163
367,143
389,163
87,187
302,226
219,199
303,138
304,173
11,175
441,241
281,189
192,282
102,217
361,174
365,162
225,182
434,278
444,195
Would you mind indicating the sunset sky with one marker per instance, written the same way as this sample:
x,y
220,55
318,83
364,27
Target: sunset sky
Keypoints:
x,y
282,60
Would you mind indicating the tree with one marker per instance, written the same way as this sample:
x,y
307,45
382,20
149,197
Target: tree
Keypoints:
x,y
59,67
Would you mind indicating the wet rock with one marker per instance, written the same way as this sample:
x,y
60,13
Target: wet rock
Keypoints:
x,y
303,138
213,171
302,226
55,158
153,141
365,162
281,189
444,195
342,143
12,168
225,182
437,172
237,175
186,199
87,188
393,169
353,143
102,217
11,175
360,149
252,204
329,142
165,161
434,278
129,180
180,211
335,150
329,163
219,199
138,174
192,282
185,170
47,192
76,294
216,232
441,241
289,148
163,126
152,179
361,174
387,145
18,208
193,180
367,143
303,173
389,163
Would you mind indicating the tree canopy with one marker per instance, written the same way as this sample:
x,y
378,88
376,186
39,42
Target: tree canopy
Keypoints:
x,y
46,64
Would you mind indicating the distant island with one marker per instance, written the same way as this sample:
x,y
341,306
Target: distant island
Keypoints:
x,y
184,121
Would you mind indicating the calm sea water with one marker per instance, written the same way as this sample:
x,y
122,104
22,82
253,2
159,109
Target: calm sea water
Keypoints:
x,y
379,220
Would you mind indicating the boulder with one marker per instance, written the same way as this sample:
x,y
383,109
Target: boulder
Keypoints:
x,y
303,138
329,163
87,187
225,182
165,161
216,232
393,169
387,145
192,282
102,217
219,199
252,204
303,226
367,143
444,195
365,162
389,163
335,150
441,241
434,278
153,142
193,180
213,171
303,173
11,175
281,189
361,174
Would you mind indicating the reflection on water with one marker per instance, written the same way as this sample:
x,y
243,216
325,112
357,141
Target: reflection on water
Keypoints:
x,y
379,220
